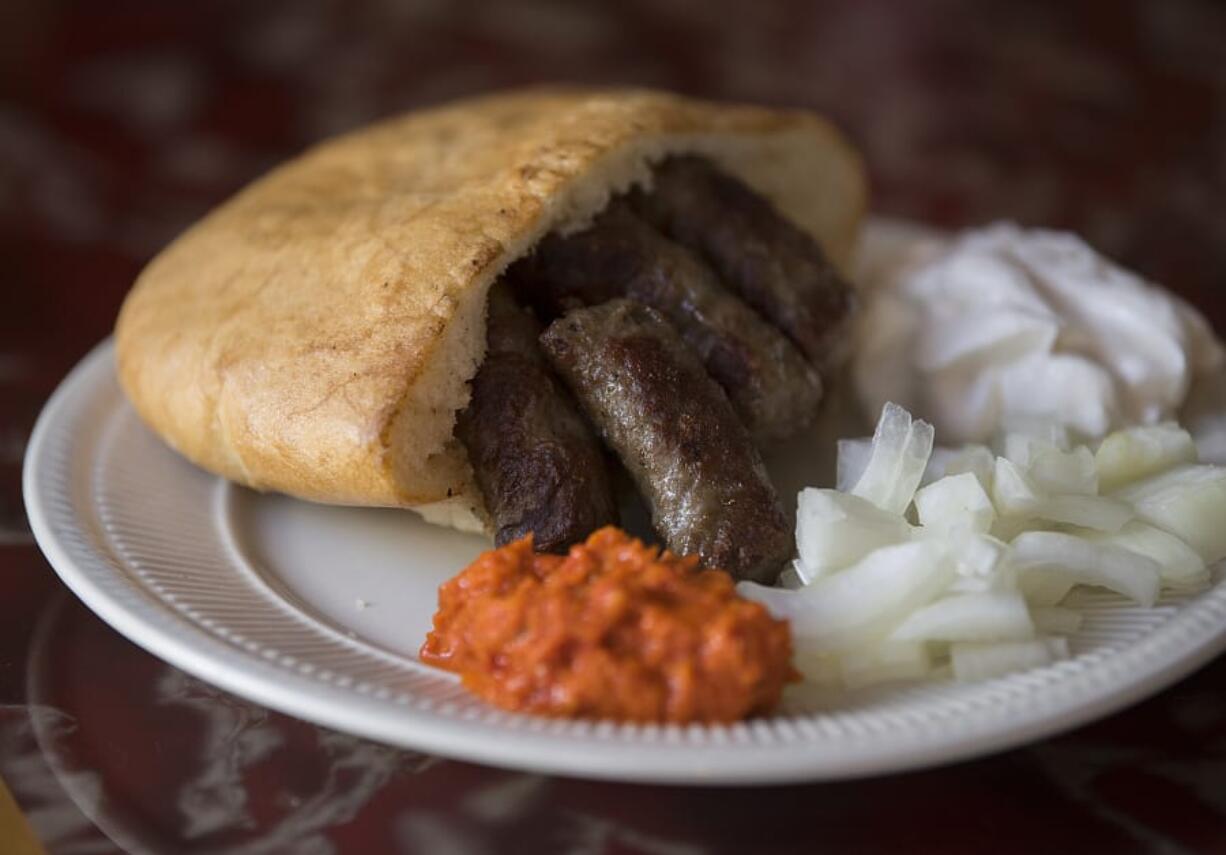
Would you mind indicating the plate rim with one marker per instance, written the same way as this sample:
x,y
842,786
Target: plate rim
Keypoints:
x,y
167,634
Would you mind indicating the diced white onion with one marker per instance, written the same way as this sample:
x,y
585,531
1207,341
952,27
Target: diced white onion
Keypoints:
x,y
1096,512
1055,620
900,454
873,598
818,667
969,617
862,603
1043,587
980,563
1086,563
835,530
852,460
955,501
1013,493
981,661
884,662
1187,501
1138,452
1059,471
1180,564
976,459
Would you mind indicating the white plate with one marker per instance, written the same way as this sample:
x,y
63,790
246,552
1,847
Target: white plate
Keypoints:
x,y
319,611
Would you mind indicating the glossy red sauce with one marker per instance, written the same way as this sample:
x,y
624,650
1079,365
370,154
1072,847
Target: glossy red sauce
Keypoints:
x,y
615,629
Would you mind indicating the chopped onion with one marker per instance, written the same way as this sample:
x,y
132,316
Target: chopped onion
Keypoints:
x,y
1096,512
1055,620
1059,471
818,667
1021,448
1179,563
862,603
885,662
955,501
853,456
1013,493
1187,501
900,454
979,562
976,459
873,598
969,617
1086,563
1007,528
835,530
980,661
1042,587
1138,452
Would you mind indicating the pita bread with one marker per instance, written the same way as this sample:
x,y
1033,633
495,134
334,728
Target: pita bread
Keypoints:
x,y
315,334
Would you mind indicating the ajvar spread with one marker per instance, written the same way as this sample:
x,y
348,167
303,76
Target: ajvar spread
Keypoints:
x,y
615,629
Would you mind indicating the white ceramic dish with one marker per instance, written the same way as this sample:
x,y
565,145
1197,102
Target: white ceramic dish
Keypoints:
x,y
319,611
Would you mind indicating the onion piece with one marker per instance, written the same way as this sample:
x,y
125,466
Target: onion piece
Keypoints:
x,y
1138,452
852,459
862,603
1064,471
976,459
835,530
979,562
1055,620
1095,512
818,667
884,662
981,661
1013,493
1044,588
1187,501
1086,563
901,448
955,501
1180,564
969,617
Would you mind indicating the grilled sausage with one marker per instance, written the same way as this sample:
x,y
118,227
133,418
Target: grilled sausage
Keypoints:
x,y
538,464
676,434
772,387
767,261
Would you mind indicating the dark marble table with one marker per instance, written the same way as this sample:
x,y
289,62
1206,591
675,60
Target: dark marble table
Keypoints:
x,y
122,121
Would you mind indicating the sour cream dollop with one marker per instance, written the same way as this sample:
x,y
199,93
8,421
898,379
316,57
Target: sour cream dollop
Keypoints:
x,y
1001,327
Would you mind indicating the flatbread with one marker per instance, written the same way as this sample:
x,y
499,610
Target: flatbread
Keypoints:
x,y
315,334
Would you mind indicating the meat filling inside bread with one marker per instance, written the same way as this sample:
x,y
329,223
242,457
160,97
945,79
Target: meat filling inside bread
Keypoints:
x,y
690,323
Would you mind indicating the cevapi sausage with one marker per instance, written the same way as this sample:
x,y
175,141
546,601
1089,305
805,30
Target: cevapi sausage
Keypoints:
x,y
676,433
779,270
538,464
774,390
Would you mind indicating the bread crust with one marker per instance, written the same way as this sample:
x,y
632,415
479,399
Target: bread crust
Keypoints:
x,y
315,334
